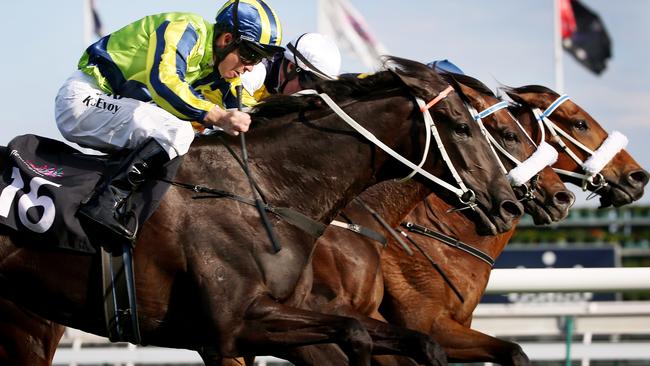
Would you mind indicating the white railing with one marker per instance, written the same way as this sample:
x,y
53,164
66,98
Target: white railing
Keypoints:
x,y
569,279
588,319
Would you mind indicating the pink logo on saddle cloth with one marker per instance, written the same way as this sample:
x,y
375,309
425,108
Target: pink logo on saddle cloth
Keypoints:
x,y
42,170
45,170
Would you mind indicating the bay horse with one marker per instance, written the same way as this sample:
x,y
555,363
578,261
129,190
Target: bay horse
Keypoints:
x,y
349,270
618,183
415,296
245,297
417,301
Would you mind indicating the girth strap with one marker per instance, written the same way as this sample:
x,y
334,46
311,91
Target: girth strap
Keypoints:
x,y
448,240
301,221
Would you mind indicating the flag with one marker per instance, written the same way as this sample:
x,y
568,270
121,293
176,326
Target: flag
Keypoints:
x,y
92,23
97,23
567,19
584,35
343,23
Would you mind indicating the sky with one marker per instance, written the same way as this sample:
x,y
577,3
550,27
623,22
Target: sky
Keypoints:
x,y
499,42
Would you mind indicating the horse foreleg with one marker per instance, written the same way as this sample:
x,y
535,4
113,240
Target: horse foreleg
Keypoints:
x,y
463,344
316,355
273,328
388,339
210,359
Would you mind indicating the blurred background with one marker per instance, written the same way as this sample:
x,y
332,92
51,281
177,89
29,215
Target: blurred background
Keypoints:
x,y
501,42
509,42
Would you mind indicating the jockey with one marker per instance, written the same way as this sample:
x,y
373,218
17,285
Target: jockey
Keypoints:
x,y
136,89
309,57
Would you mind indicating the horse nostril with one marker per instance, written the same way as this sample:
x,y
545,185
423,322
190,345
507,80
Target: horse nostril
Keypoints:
x,y
638,178
512,209
564,198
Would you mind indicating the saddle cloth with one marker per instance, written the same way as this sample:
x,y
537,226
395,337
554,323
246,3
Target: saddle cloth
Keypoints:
x,y
44,182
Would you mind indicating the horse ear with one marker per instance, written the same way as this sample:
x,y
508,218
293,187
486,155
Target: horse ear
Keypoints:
x,y
419,87
532,95
517,98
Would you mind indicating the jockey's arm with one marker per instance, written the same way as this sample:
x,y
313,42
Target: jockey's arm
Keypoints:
x,y
167,66
172,92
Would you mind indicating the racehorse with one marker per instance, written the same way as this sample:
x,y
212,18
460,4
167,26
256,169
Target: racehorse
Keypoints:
x,y
618,183
349,269
422,302
25,338
206,276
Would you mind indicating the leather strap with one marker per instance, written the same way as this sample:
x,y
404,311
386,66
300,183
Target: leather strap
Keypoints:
x,y
448,240
361,230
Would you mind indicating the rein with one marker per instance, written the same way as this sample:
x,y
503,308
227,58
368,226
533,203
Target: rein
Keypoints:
x,y
290,215
371,233
465,195
450,241
597,160
435,266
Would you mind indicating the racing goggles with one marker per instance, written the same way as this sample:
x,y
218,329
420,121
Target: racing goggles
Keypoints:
x,y
251,53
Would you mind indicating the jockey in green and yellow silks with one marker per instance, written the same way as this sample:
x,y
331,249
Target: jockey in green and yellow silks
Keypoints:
x,y
139,87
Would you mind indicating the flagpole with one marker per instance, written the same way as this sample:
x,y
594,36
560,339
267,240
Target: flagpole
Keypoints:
x,y
87,23
557,45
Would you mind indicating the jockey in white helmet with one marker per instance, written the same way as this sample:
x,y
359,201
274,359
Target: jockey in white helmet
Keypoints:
x,y
309,57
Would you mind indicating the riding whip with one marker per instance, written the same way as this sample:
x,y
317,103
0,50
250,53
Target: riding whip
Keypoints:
x,y
258,199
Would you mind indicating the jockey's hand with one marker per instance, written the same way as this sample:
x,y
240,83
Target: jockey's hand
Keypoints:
x,y
231,121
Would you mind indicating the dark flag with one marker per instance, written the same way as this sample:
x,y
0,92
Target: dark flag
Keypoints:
x,y
584,36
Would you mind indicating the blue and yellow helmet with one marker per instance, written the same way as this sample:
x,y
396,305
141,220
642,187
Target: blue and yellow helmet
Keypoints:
x,y
253,21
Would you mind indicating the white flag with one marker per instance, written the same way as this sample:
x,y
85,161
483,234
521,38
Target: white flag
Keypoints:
x,y
339,20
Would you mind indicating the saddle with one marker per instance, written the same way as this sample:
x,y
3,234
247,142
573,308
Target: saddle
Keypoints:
x,y
43,184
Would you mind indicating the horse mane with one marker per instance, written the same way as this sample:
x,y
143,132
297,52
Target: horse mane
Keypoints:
x,y
347,86
513,93
517,108
529,89
468,81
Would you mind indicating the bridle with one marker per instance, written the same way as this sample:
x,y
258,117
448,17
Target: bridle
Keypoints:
x,y
524,174
598,159
466,196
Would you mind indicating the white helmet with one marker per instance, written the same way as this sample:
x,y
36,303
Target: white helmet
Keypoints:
x,y
316,53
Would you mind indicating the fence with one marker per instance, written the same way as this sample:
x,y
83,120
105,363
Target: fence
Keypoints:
x,y
552,321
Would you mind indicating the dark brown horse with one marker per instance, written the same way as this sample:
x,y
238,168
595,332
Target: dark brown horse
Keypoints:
x,y
348,269
418,301
206,277
26,338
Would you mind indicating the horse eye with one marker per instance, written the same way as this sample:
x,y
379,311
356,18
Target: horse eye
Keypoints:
x,y
510,136
462,129
581,125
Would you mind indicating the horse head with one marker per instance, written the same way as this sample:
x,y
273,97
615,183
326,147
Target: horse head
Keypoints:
x,y
592,158
541,190
495,205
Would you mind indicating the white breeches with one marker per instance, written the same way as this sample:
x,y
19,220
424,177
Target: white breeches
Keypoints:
x,y
88,116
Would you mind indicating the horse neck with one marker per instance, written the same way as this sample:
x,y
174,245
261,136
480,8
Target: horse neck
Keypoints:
x,y
433,213
392,200
315,165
